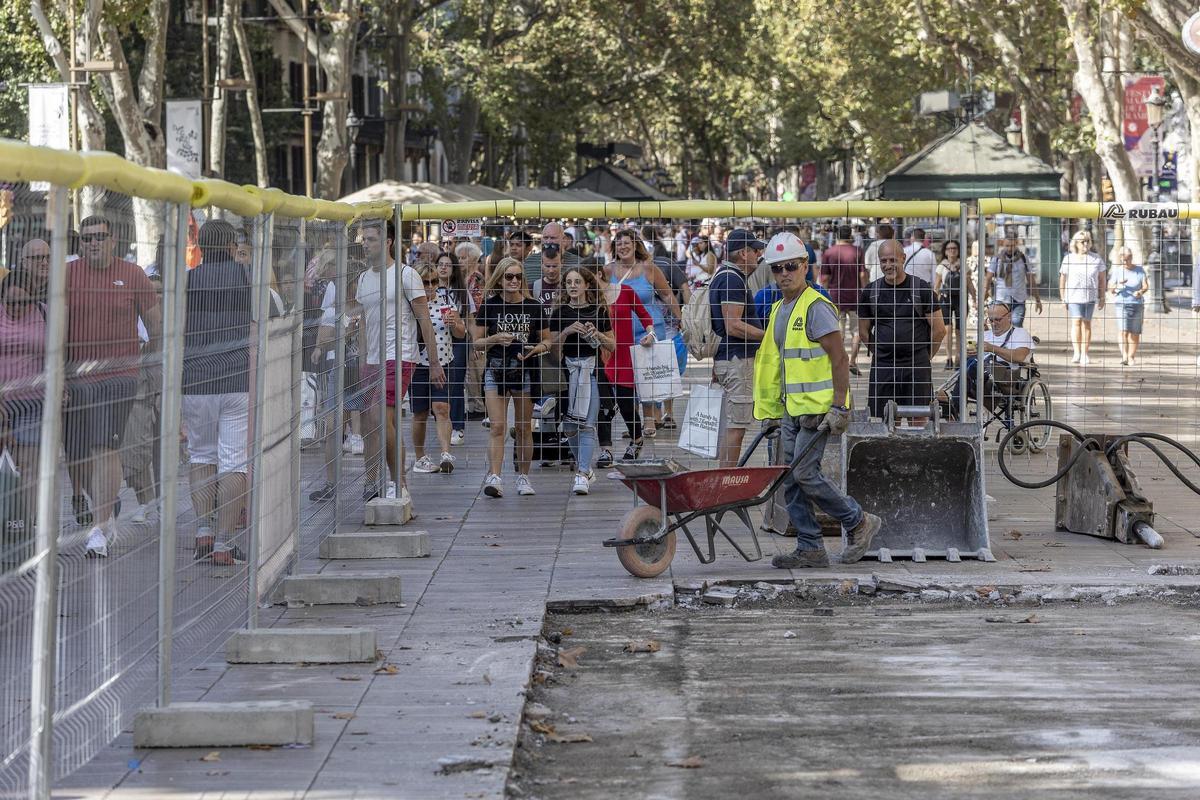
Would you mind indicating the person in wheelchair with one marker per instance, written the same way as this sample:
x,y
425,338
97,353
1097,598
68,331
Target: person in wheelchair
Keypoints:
x,y
1006,348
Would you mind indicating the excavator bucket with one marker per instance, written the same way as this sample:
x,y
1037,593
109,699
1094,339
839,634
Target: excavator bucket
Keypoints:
x,y
925,483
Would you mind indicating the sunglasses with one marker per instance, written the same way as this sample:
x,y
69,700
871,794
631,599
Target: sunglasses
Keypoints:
x,y
430,283
513,276
93,237
36,258
790,266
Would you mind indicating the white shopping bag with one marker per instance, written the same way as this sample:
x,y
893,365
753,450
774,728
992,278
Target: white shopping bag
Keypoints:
x,y
700,432
656,372
308,407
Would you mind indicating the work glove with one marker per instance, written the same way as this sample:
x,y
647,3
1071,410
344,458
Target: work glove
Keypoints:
x,y
836,421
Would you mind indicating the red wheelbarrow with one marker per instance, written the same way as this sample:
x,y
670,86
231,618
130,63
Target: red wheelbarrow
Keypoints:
x,y
676,497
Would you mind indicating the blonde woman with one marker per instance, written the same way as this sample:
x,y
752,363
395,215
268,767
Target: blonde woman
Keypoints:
x,y
1128,286
1082,286
511,327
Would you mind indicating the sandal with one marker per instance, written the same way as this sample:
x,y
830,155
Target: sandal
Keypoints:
x,y
668,423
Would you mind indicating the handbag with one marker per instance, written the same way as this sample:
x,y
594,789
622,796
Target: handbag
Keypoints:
x,y
656,372
700,430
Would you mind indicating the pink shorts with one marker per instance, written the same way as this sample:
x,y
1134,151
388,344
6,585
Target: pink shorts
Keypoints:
x,y
370,380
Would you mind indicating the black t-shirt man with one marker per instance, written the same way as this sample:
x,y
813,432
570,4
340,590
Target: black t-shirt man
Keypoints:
x,y
901,339
574,345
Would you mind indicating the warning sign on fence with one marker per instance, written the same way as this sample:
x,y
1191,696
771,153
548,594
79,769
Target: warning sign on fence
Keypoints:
x,y
462,228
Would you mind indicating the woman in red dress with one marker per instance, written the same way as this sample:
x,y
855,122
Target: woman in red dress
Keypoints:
x,y
616,379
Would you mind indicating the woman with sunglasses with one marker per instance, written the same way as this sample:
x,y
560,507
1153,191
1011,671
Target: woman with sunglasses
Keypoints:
x,y
633,267
452,291
22,358
512,328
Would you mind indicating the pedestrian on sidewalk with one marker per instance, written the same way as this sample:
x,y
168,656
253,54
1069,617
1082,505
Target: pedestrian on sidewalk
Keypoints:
x,y
582,331
423,394
1011,279
617,385
1128,285
452,292
1082,286
802,378
918,259
900,321
948,285
216,392
844,274
513,330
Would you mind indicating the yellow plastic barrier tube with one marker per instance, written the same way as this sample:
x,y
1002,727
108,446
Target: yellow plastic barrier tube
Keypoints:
x,y
114,173
21,163
331,211
228,196
271,199
679,209
378,209
1062,209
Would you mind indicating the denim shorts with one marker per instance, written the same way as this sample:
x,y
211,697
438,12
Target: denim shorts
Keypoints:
x,y
422,393
1081,310
493,382
1131,317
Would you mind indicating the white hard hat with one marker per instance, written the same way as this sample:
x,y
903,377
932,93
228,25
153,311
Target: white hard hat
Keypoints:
x,y
784,247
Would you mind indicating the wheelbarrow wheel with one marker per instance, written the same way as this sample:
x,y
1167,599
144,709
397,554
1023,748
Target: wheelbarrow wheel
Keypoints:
x,y
647,560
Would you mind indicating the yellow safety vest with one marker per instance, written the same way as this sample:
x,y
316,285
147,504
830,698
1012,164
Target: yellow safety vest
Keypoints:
x,y
804,383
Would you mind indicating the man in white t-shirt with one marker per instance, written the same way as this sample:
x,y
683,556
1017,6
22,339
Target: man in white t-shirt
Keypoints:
x,y
919,260
378,249
871,258
1004,345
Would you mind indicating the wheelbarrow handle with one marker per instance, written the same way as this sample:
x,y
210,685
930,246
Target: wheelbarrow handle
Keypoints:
x,y
771,431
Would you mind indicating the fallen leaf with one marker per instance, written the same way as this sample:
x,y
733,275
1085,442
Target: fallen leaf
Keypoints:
x,y
569,659
1032,619
487,679
349,678
1014,535
478,715
260,747
1054,544
984,591
540,726
344,715
691,762
215,755
539,677
568,738
643,646
493,544
387,669
568,631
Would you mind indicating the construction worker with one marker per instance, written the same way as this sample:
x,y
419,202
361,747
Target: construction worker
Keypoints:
x,y
802,378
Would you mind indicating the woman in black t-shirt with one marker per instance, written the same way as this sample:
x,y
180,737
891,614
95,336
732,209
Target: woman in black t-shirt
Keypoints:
x,y
582,330
511,326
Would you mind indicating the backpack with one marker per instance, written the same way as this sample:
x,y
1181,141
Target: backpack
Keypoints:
x,y
696,326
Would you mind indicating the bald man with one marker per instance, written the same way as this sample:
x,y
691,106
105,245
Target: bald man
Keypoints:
x,y
35,259
553,233
900,321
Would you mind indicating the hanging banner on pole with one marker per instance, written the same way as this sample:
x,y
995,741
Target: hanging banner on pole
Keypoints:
x,y
1139,139
184,137
49,123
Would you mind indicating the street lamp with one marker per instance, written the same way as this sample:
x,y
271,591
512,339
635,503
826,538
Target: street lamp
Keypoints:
x,y
1013,133
1156,105
353,123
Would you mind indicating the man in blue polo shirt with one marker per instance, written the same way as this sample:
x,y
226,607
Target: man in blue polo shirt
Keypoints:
x,y
736,322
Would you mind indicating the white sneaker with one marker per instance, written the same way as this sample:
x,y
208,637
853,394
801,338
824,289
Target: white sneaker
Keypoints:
x,y
524,487
582,484
97,544
457,438
486,422
353,445
1075,359
1132,362
425,464
447,464
139,515
493,486
1084,360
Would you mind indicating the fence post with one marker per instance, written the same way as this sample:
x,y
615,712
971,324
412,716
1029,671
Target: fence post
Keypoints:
x,y
982,310
299,263
382,357
962,313
398,300
45,610
339,368
174,275
260,264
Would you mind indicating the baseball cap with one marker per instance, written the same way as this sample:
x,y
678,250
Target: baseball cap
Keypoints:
x,y
739,238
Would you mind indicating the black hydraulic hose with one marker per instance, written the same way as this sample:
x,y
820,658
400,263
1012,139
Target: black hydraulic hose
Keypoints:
x,y
1090,442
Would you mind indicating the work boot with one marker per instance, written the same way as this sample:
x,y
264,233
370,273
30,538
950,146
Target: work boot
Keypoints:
x,y
800,559
859,539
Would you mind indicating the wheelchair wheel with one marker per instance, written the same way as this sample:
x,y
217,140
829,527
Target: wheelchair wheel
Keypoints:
x,y
1038,406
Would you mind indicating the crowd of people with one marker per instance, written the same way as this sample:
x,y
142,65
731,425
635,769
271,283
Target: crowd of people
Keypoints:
x,y
528,325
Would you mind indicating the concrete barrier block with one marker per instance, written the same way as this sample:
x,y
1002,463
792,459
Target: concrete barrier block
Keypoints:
x,y
341,588
291,645
376,544
224,724
388,511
